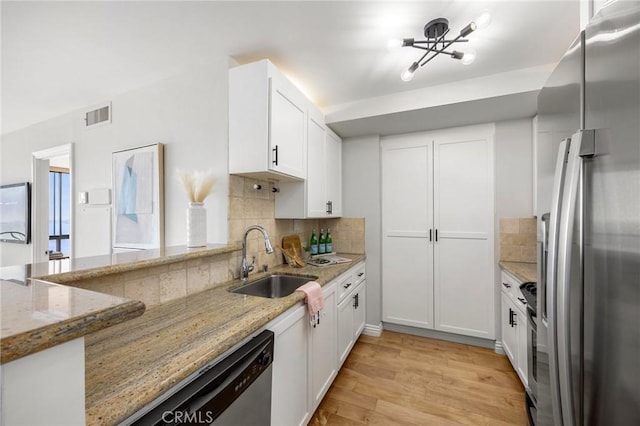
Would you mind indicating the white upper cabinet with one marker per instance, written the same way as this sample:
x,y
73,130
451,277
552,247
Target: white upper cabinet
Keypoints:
x,y
333,173
267,124
316,185
321,194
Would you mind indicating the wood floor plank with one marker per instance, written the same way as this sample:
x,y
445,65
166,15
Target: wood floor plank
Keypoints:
x,y
400,379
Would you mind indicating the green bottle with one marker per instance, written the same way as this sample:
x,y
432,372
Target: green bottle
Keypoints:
x,y
313,243
329,242
322,247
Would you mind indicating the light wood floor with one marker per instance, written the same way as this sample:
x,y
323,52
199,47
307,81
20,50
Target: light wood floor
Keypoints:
x,y
399,379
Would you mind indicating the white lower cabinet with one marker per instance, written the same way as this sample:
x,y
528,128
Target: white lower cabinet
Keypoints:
x,y
289,400
307,358
322,344
509,332
345,329
351,312
514,326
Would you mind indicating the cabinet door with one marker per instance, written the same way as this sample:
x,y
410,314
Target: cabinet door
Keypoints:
x,y
333,172
359,310
289,401
463,219
521,338
345,329
407,236
324,352
509,331
316,169
287,135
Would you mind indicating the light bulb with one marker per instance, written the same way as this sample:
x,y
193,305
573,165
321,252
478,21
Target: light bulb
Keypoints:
x,y
407,74
394,43
483,20
468,57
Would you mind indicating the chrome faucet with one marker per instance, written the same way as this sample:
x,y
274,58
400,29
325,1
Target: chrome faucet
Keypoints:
x,y
246,268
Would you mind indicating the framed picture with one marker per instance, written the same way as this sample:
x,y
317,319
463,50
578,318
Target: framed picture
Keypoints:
x,y
138,198
15,213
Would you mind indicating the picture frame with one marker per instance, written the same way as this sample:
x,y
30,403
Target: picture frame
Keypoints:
x,y
15,213
138,198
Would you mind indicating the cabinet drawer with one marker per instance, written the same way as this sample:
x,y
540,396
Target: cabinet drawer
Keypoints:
x,y
511,288
346,284
509,285
359,273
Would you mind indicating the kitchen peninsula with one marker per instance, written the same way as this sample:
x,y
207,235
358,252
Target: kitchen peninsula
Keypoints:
x,y
128,362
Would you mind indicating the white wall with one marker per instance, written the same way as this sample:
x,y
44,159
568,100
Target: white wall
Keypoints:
x,y
361,198
186,112
361,193
513,184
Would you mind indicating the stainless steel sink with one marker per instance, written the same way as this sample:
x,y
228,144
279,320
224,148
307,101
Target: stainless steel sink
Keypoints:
x,y
274,286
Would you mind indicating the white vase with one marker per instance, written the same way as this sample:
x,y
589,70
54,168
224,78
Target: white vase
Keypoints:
x,y
196,225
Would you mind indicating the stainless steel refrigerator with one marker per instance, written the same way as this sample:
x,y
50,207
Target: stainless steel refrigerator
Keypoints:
x,y
588,333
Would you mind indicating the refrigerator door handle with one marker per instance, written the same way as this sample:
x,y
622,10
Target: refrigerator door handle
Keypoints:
x,y
571,211
551,283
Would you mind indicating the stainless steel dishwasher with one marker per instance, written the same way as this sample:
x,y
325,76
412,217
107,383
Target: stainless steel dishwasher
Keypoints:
x,y
233,392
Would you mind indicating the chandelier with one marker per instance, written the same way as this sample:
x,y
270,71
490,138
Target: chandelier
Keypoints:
x,y
436,43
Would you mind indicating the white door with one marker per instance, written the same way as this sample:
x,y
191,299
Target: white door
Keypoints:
x,y
463,219
345,329
287,135
509,332
289,401
359,313
522,336
407,230
334,173
324,348
316,170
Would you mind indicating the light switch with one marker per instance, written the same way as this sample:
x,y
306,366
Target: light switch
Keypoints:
x,y
83,197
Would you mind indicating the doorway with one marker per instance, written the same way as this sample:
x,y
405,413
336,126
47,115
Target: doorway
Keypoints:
x,y
52,208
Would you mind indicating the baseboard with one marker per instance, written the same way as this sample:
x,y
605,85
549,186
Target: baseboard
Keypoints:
x,y
372,330
498,348
456,338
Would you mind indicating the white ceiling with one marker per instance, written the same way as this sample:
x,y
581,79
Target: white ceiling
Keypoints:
x,y
59,56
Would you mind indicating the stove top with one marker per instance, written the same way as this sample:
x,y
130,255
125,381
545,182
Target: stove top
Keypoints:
x,y
529,291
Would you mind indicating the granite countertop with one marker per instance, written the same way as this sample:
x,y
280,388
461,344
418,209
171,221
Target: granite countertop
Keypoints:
x,y
38,313
525,272
131,364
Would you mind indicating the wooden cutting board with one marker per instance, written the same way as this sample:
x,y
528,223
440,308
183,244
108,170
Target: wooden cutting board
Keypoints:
x,y
292,242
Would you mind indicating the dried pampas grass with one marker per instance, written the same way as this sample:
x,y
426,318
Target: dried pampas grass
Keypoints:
x,y
197,184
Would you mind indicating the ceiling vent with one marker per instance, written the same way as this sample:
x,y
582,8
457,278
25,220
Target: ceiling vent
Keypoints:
x,y
99,115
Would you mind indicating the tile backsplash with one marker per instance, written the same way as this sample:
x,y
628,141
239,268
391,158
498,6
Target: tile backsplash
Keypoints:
x,y
518,240
247,206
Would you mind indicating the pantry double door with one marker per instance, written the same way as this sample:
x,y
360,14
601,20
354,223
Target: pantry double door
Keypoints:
x,y
437,230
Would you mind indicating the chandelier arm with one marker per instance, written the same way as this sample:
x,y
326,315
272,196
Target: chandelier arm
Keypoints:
x,y
443,48
464,40
428,59
425,54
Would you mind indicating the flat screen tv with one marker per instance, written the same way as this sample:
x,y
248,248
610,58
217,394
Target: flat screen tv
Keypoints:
x,y
15,213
